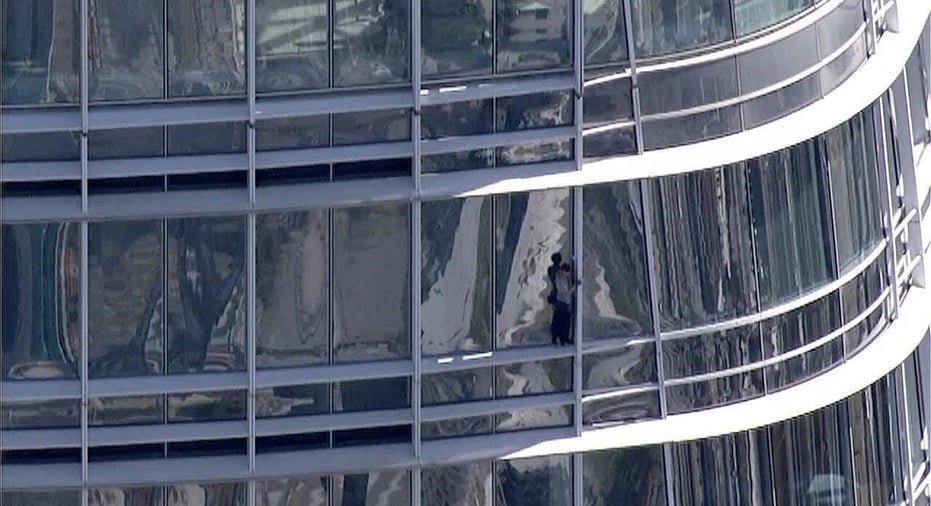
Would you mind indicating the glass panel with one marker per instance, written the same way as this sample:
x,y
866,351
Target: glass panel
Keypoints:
x,y
836,72
41,301
917,418
206,44
683,88
291,46
207,406
839,26
126,496
605,33
206,292
371,126
801,367
206,139
292,133
631,365
716,392
802,326
751,15
606,101
397,167
371,395
866,330
632,476
457,386
292,313
45,498
529,228
125,298
126,45
781,102
310,491
537,110
126,143
536,35
460,160
456,38
622,407
534,152
709,353
55,414
109,411
721,471
375,488
370,43
704,248
857,295
41,51
701,126
789,209
533,418
460,485
41,147
668,26
292,400
615,141
528,378
468,426
916,73
371,293
460,118
538,481
766,65
616,298
207,494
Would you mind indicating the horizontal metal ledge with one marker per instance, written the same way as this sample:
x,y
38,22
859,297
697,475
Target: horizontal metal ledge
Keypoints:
x,y
447,94
265,378
608,393
334,461
332,102
17,121
459,362
492,446
27,209
39,390
157,471
193,164
473,142
341,193
23,476
483,182
175,113
336,154
173,203
27,439
466,409
14,172
614,343
161,433
333,421
176,383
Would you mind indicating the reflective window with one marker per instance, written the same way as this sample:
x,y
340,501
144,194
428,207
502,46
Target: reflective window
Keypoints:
x,y
457,386
765,65
704,247
616,298
915,392
533,35
839,25
533,418
615,141
606,100
41,325
916,75
534,152
372,489
126,143
750,15
670,132
207,494
206,48
460,118
836,72
460,160
41,51
206,294
529,229
631,365
126,496
207,406
370,395
55,414
709,353
370,43
535,110
204,139
723,471
801,367
797,328
874,434
538,481
466,426
125,319
126,44
620,407
456,37
371,283
789,210
41,147
605,32
455,307
688,87
292,300
132,410
668,26
630,476
291,45
292,400
782,102
371,126
715,392
292,133
308,491
460,485
545,376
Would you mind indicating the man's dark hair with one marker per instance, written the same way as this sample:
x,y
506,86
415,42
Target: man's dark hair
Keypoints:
x,y
556,258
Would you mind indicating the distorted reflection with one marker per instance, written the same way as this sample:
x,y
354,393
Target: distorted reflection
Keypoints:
x,y
750,15
726,471
620,407
459,485
533,418
126,50
534,110
206,47
207,406
372,489
528,378
309,491
605,33
207,494
370,42
126,496
667,26
457,386
713,352
54,414
714,392
533,34
631,365
291,45
457,38
466,426
538,481
292,400
626,476
129,410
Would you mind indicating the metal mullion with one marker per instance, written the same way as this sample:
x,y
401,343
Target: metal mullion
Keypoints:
x,y
416,78
84,362
821,152
577,467
578,252
900,103
165,287
250,92
634,81
251,347
903,450
668,473
416,352
888,195
647,207
578,95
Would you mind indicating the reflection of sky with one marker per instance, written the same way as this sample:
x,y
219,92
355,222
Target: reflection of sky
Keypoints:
x,y
293,29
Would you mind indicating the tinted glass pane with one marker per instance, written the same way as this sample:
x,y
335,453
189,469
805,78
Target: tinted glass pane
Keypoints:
x,y
370,395
874,433
45,498
789,208
801,326
721,471
467,426
781,102
372,489
460,160
684,88
41,301
839,26
529,228
206,294
668,26
616,141
457,386
125,305
207,494
205,139
370,43
916,77
624,407
605,33
766,65
310,491
708,353
716,392
534,152
751,15
460,118
41,51
207,406
799,368
56,414
292,313
694,127
291,49
126,496
534,35
836,72
45,146
206,44
630,365
537,110
616,298
107,411
371,126
866,330
631,477
543,377
292,133
533,418
456,37
539,481
126,143
126,44
371,283
292,400
606,100
461,485
704,249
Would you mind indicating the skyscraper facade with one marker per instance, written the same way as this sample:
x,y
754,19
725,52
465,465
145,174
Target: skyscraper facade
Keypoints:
x,y
303,252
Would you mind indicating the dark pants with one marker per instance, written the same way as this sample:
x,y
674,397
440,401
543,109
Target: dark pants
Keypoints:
x,y
562,322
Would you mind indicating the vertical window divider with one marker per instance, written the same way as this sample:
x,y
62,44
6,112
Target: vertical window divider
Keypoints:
x,y
578,46
906,161
668,473
824,160
756,259
577,463
647,205
164,238
250,250
577,264
416,352
887,192
83,369
634,82
902,451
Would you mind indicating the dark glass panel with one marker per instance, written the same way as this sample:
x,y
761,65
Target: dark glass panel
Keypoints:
x,y
456,37
40,497
538,481
207,448
126,496
722,471
371,127
621,407
669,26
616,298
915,403
292,400
805,325
305,491
692,356
715,392
750,15
610,142
125,298
43,456
207,494
292,312
396,167
528,378
291,45
456,119
292,442
125,452
371,395
292,133
207,406
41,301
858,294
534,152
799,368
631,365
206,294
536,110
370,43
206,139
292,175
702,126
126,50
41,51
41,147
46,188
605,32
874,433
375,488
684,88
459,485
533,418
704,247
839,25
206,47
781,102
126,143
460,160
606,100
110,411
457,386
529,228
766,65
629,477
836,72
535,35
467,426
866,330
55,414
207,181
371,283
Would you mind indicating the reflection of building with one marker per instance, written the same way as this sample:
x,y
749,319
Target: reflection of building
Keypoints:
x,y
270,263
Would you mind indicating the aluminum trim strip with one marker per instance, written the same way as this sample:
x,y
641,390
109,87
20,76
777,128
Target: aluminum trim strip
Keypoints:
x,y
265,378
27,439
465,409
459,362
333,421
473,142
181,383
157,433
